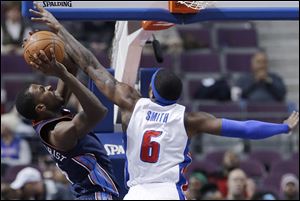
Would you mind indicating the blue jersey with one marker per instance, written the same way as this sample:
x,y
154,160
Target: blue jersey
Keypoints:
x,y
86,166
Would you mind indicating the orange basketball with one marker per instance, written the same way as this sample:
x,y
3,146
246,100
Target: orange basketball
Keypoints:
x,y
44,40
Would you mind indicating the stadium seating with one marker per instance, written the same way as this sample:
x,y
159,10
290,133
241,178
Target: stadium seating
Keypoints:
x,y
228,38
199,37
197,62
149,61
252,168
204,166
238,62
215,157
12,63
284,166
266,157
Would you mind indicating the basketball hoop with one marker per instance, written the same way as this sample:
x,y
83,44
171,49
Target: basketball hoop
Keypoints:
x,y
156,25
189,6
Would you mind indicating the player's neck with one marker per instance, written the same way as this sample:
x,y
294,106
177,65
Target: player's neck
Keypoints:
x,y
49,115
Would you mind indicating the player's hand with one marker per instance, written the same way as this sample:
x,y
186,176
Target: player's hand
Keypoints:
x,y
293,120
48,66
46,17
26,39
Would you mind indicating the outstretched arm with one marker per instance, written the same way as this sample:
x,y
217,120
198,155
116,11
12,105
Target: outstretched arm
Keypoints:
x,y
66,133
201,122
121,94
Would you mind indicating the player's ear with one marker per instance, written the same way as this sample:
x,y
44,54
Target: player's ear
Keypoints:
x,y
40,108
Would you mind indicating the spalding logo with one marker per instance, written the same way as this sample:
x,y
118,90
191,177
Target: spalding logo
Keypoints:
x,y
113,149
57,3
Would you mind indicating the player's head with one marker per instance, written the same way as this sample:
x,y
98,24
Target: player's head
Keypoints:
x,y
165,87
38,102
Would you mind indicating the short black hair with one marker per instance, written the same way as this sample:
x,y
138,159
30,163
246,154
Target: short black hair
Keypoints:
x,y
25,104
168,85
208,188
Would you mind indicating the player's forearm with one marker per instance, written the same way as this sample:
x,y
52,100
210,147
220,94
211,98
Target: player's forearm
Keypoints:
x,y
86,60
80,54
62,88
251,129
89,102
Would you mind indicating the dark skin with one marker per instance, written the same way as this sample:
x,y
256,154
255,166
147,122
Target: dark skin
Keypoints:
x,y
120,93
65,135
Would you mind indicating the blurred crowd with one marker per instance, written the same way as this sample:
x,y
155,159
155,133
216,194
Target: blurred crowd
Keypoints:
x,y
97,35
230,182
258,85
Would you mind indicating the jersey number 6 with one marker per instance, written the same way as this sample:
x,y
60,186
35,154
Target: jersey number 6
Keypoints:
x,y
150,150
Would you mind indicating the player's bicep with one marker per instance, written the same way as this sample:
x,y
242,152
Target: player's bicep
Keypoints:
x,y
201,122
66,134
62,136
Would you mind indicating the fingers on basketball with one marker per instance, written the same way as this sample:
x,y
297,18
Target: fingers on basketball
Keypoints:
x,y
36,59
39,7
34,65
53,58
24,41
35,13
43,56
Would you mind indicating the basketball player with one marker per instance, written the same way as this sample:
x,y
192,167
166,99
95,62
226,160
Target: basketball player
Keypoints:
x,y
68,138
158,129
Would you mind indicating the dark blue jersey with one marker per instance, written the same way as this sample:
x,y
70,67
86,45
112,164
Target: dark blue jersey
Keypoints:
x,y
86,166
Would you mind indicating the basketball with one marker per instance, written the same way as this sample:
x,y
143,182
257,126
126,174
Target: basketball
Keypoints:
x,y
44,40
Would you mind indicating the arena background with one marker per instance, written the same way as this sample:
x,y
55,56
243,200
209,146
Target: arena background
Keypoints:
x,y
201,53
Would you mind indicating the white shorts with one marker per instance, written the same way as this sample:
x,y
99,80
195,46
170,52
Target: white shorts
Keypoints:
x,y
155,191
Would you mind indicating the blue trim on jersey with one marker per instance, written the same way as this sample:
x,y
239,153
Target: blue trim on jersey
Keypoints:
x,y
180,193
126,173
182,181
97,174
162,101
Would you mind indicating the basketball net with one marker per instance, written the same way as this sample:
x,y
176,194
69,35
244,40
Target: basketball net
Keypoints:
x,y
189,6
197,5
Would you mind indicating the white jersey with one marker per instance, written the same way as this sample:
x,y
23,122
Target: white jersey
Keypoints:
x,y
156,144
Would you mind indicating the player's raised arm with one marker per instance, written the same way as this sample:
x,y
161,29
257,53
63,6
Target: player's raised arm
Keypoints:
x,y
61,88
121,94
201,122
66,134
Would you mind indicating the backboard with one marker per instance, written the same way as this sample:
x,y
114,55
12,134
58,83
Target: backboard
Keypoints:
x,y
159,10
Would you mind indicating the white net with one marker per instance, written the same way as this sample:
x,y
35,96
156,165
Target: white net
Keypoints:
x,y
197,5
